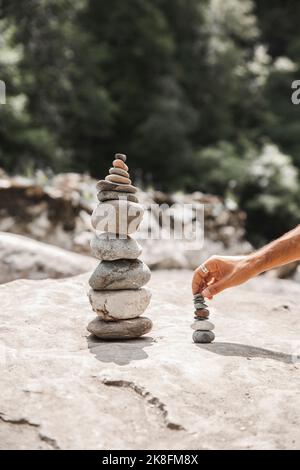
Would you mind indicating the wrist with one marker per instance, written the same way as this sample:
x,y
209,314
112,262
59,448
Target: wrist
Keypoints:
x,y
252,265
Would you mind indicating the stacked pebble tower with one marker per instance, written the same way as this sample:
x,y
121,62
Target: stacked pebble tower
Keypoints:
x,y
117,294
202,326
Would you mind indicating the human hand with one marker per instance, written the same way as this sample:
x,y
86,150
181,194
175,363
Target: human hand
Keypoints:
x,y
223,272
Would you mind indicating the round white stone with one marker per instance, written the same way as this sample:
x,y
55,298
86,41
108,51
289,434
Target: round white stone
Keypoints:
x,y
120,304
117,216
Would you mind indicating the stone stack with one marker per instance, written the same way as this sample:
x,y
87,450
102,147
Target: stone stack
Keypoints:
x,y
117,294
202,326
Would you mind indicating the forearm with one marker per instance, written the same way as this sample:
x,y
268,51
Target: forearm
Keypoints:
x,y
277,253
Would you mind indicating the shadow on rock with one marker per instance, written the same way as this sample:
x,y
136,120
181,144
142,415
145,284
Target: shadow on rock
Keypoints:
x,y
243,350
119,352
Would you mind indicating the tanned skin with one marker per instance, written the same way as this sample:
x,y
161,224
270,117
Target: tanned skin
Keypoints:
x,y
230,271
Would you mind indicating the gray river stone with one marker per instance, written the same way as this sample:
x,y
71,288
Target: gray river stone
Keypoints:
x,y
104,185
120,274
109,247
113,195
203,336
126,329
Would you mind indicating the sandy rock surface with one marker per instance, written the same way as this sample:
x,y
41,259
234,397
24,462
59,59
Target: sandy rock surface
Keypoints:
x,y
63,389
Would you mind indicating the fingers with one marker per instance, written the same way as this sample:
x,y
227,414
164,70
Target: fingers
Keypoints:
x,y
196,283
199,281
213,289
207,294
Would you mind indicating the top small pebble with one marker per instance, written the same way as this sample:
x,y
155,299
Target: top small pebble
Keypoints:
x,y
120,156
120,164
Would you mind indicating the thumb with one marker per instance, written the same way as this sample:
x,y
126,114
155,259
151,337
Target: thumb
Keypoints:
x,y
213,289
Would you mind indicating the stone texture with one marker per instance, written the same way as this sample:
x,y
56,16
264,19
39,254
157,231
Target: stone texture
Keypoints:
x,y
199,302
108,247
202,313
104,185
203,325
112,195
117,179
120,156
22,257
118,171
120,305
63,388
117,216
120,274
203,336
125,329
118,163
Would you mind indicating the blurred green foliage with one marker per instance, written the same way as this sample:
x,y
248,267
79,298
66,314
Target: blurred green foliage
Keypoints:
x,y
197,92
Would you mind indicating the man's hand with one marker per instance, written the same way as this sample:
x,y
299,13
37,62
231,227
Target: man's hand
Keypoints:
x,y
223,272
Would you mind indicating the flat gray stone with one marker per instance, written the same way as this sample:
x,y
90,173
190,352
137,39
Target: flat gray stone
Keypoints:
x,y
203,325
120,274
110,186
120,304
199,302
109,247
203,336
113,195
125,329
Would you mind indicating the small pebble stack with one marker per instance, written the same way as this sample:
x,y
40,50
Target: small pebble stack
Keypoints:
x,y
202,326
117,294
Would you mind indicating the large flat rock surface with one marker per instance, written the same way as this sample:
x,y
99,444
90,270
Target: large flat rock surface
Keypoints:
x,y
63,389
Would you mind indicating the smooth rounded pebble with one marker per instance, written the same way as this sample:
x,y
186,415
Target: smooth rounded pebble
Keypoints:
x,y
203,336
120,156
113,195
118,179
104,185
125,329
120,274
118,216
203,325
119,304
202,313
118,171
118,163
109,247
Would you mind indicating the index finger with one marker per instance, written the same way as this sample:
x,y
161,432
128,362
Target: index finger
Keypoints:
x,y
199,282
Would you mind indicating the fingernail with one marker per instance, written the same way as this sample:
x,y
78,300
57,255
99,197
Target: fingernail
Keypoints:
x,y
206,293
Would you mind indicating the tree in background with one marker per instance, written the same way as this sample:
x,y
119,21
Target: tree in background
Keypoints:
x,y
195,91
69,111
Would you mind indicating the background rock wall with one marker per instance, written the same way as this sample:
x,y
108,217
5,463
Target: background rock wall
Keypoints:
x,y
56,210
